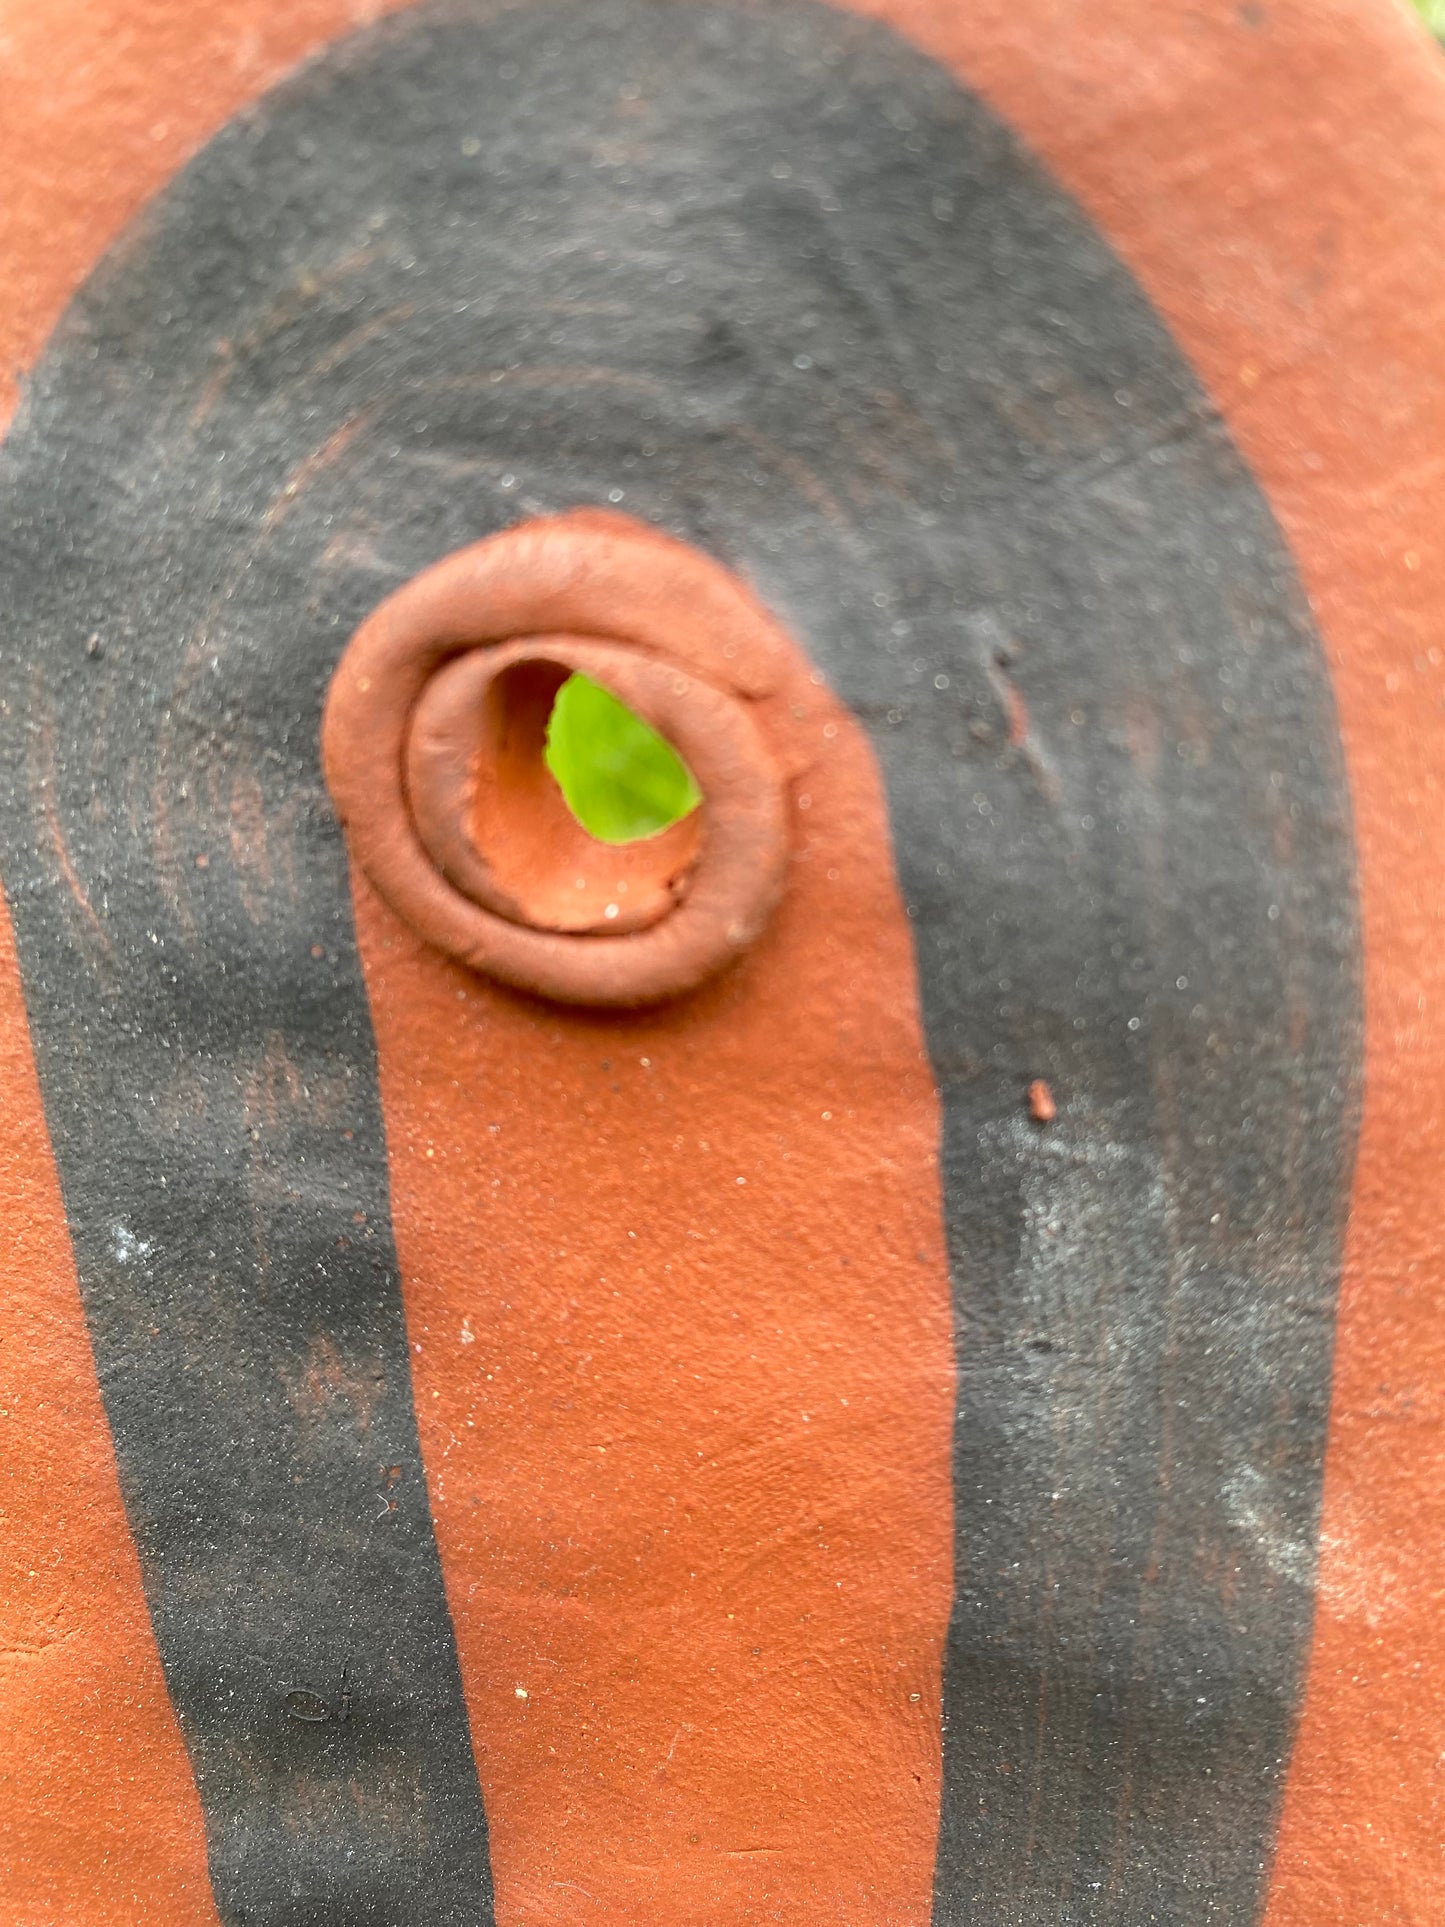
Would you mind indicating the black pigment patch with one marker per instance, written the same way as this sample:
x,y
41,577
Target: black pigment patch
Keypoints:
x,y
771,280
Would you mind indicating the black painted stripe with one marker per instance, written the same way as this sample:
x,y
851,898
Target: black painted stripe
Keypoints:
x,y
182,907
780,282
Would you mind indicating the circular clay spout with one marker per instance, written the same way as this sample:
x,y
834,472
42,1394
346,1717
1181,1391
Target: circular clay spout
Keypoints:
x,y
433,745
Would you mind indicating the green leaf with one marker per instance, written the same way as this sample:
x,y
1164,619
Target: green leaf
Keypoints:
x,y
622,781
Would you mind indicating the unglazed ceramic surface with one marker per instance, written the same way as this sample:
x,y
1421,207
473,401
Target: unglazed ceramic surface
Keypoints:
x,y
911,1397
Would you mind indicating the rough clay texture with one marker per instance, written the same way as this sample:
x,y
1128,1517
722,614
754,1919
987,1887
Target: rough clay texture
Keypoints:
x,y
783,288
1310,300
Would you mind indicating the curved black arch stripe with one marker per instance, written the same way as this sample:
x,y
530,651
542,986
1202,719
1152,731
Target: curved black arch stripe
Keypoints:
x,y
775,279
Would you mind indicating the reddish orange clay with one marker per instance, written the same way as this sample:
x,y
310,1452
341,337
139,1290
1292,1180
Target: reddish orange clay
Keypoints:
x,y
683,1356
1274,173
434,736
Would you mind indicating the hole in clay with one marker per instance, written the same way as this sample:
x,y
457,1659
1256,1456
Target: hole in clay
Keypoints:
x,y
620,779
541,862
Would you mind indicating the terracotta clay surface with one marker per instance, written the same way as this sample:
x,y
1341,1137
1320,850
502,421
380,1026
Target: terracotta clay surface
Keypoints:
x,y
1307,293
424,783
766,1440
688,1457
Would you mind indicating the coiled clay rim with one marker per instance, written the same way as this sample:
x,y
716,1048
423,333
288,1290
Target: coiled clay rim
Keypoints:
x,y
414,764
